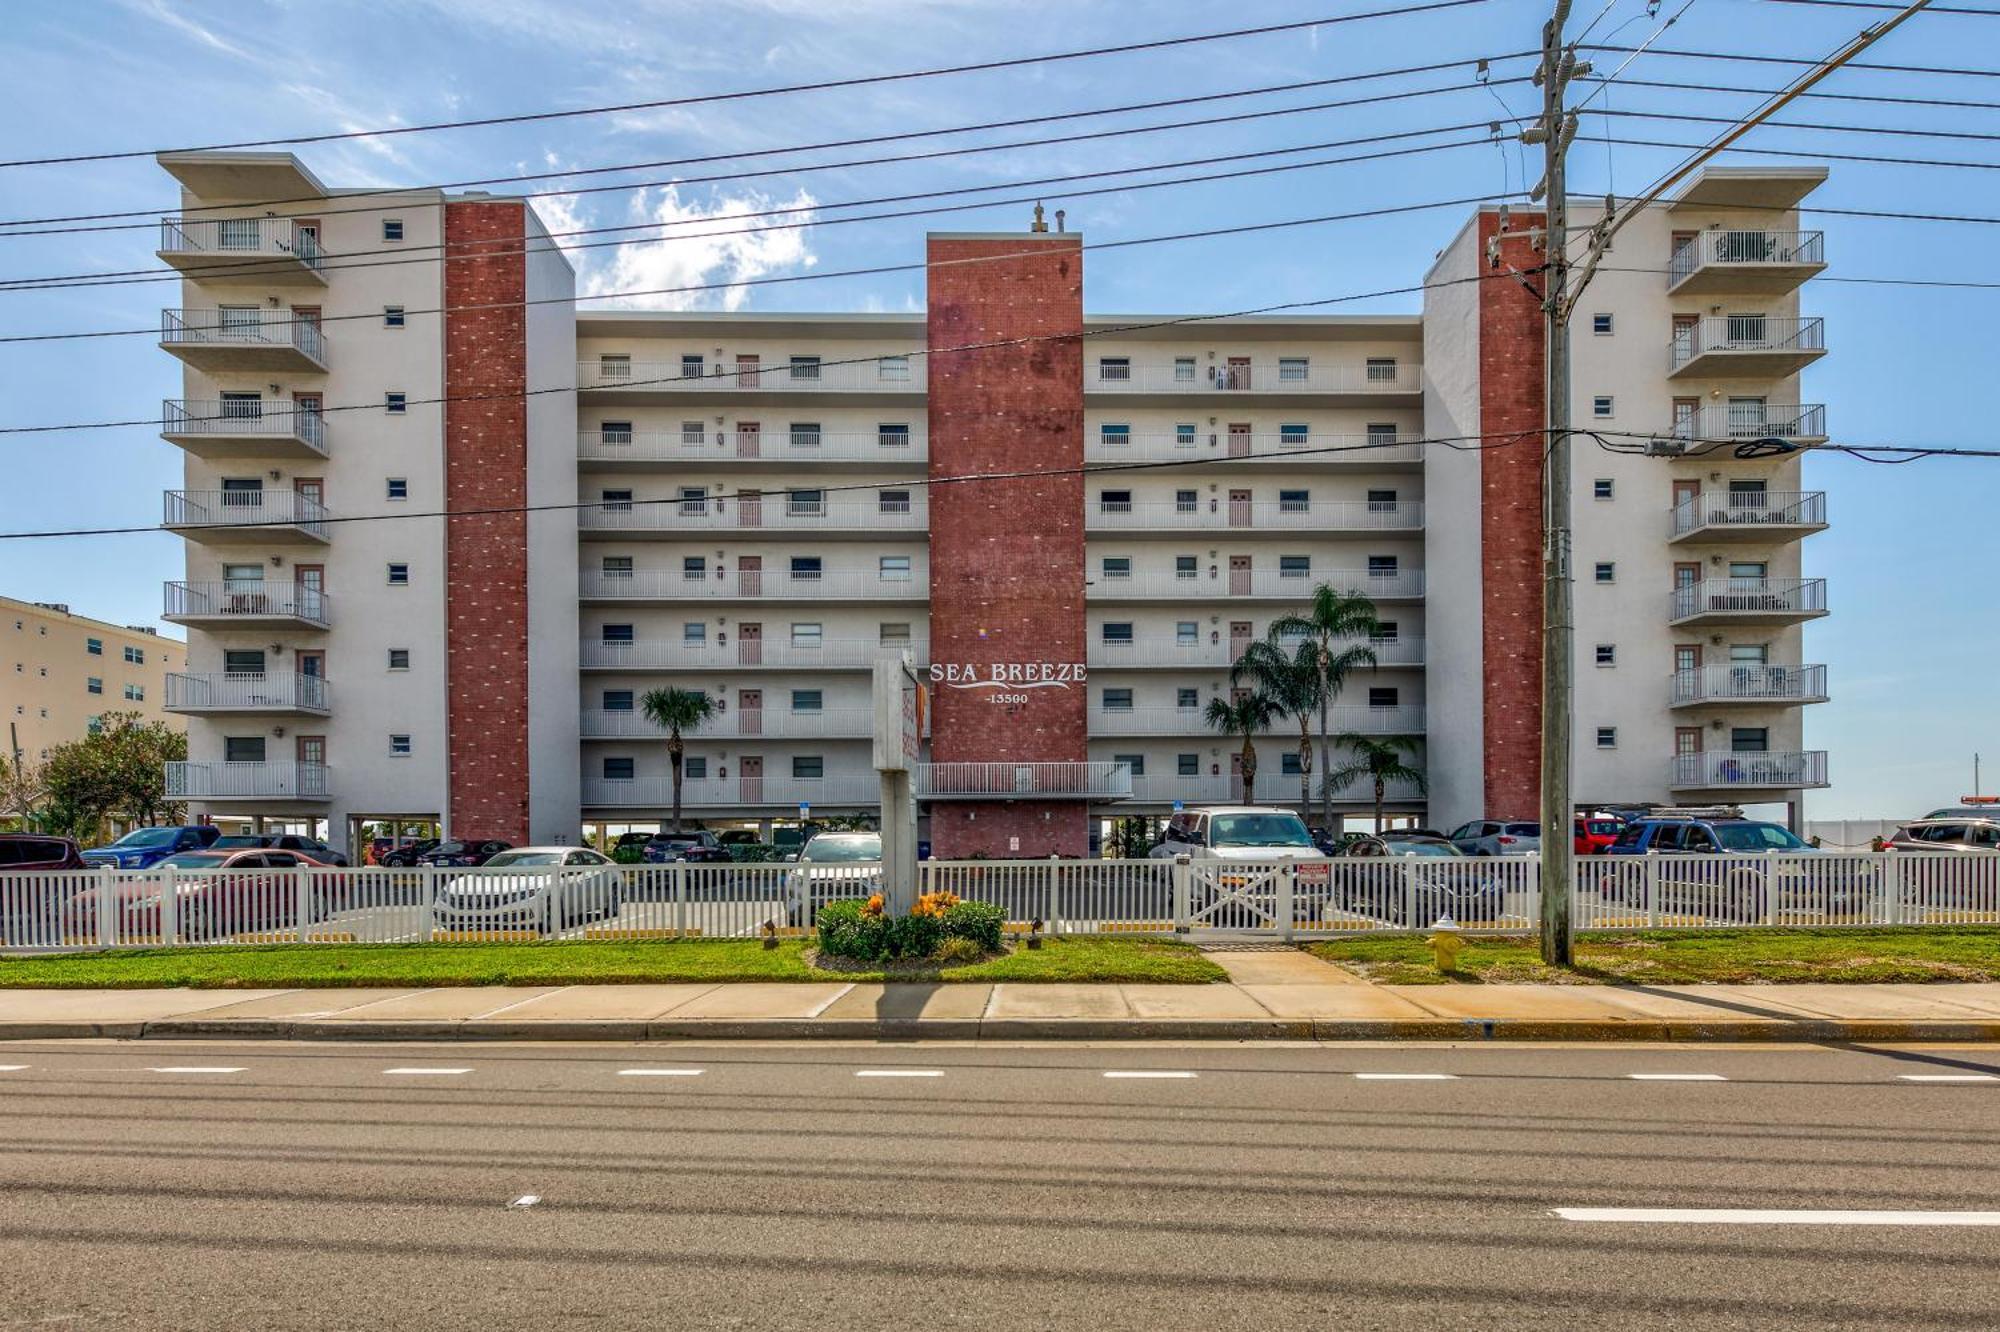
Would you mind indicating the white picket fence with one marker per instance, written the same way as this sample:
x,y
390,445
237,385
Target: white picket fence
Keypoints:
x,y
108,908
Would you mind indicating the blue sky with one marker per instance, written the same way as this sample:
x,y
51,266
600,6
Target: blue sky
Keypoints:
x,y
1911,649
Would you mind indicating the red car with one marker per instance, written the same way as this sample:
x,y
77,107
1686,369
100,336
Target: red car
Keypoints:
x,y
1594,832
217,894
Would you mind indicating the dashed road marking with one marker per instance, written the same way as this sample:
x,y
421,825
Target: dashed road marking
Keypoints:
x,y
898,1072
1947,1077
1407,1077
526,1200
194,1068
425,1072
659,1072
13,1068
1146,1073
1725,1216
1676,1077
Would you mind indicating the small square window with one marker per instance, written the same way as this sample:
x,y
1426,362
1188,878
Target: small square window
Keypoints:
x,y
893,635
615,501
1294,434
1601,405
1600,323
1187,501
1607,654
613,635
1383,566
616,566
395,403
808,700
619,769
1383,696
1603,488
133,693
1185,566
1294,369
1187,633
804,367
808,767
618,700
892,435
805,434
399,746
1118,633
94,646
392,228
1118,700
1114,501
1114,434
392,316
694,567
692,366
1288,763
1135,762
693,433
1607,737
695,767
1184,432
893,501
398,487
1187,765
1184,371
1381,369
399,659
399,575
894,568
893,369
1295,566
805,503
1117,566
1114,369
135,656
1294,501
694,633
1187,700
1605,572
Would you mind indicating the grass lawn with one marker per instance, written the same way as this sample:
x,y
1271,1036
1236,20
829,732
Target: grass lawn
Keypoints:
x,y
285,966
1744,957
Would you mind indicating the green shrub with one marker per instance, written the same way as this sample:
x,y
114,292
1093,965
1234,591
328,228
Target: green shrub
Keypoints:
x,y
847,930
912,936
959,949
844,931
978,922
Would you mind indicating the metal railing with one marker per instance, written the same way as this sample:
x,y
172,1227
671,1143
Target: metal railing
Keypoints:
x,y
1748,509
247,781
778,446
1289,448
245,508
1749,597
861,790
241,418
249,601
777,514
776,653
884,375
735,724
1215,514
1270,376
233,691
766,585
1023,781
260,327
1224,652
248,238
1400,719
1748,682
1746,333
1725,769
1754,420
1267,584
1745,247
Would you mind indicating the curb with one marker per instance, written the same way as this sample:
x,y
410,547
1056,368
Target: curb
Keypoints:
x,y
1527,1030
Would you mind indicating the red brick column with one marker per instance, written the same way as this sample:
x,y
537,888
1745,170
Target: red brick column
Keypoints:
x,y
1007,557
486,555
1512,393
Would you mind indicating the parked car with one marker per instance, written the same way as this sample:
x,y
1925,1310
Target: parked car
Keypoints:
x,y
305,846
462,853
1948,833
692,848
28,853
1595,832
833,865
142,848
381,849
408,854
1252,833
1414,881
1498,837
544,888
216,894
31,909
1722,865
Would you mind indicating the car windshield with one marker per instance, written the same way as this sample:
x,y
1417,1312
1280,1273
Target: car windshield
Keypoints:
x,y
229,843
1524,830
1425,849
1755,837
195,860
518,858
843,849
149,837
1258,830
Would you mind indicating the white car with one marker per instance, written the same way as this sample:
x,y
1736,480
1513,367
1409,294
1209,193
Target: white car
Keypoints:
x,y
1252,833
1498,837
833,865
545,888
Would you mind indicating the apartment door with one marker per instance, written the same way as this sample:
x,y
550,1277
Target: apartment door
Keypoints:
x,y
305,234
750,712
750,508
1687,657
1240,635
1747,417
749,644
312,749
1239,508
1239,439
750,776
312,494
1680,240
1238,375
1239,575
1686,331
1687,754
1685,493
311,667
747,376
749,439
309,582
750,575
305,327
1687,575
1687,417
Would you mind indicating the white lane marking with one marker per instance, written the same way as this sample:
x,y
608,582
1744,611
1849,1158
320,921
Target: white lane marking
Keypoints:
x,y
1948,1077
193,1068
898,1072
425,1072
13,1068
1676,1077
526,1200
1727,1216
659,1072
1407,1077
1145,1073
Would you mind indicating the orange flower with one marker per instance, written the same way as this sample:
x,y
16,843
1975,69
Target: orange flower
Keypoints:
x,y
874,906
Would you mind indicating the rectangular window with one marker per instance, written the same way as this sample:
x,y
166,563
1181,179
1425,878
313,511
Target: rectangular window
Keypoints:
x,y
808,634
619,433
1601,405
893,370
243,661
1183,369
1600,324
1603,488
695,767
808,700
1383,566
693,500
694,633
1607,737
805,434
893,635
1117,566
1118,700
1294,501
399,658
1288,763
808,767
1186,501
1114,434
694,567
397,487
399,746
1385,631
1185,566
1114,501
135,693
94,646
1114,369
1184,435
611,635
135,656
243,749
392,316
615,501
1607,654
1187,633
1294,434
395,403
894,568
1381,369
805,503
806,568
1747,569
617,768
1187,765
1605,572
1383,696
241,406
399,575
93,685
805,368
1135,762
893,501
692,365
618,700
892,435
1749,739
694,434
1381,501
1120,632
392,229
1293,369
616,566
1187,700
1295,566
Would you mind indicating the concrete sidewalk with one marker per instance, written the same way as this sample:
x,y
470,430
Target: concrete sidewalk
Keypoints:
x,y
1276,994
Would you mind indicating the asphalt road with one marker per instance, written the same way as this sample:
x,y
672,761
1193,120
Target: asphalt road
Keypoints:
x,y
196,1185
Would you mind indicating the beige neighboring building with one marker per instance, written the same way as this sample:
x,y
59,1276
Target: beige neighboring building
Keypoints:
x,y
59,671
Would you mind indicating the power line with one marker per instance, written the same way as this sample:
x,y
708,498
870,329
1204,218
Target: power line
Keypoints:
x,y
1879,4
1887,99
1976,136
1877,66
1755,448
868,80
235,208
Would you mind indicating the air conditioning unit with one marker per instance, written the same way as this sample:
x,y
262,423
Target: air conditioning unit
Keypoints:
x,y
1666,448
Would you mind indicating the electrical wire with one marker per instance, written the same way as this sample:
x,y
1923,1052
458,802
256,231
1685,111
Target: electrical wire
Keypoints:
x,y
1880,4
1886,99
1741,57
1973,136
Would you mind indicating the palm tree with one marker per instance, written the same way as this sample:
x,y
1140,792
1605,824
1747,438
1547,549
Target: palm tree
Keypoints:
x,y
1332,616
1379,761
1290,680
1243,715
674,711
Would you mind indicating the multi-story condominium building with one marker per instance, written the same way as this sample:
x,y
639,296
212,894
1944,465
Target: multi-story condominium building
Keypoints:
x,y
1072,523
60,672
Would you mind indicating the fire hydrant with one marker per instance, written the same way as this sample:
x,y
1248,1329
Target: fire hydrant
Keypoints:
x,y
1445,943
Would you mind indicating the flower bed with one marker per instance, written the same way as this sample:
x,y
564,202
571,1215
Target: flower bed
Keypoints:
x,y
939,928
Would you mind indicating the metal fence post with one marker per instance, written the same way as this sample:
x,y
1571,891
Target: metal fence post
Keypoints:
x,y
1287,886
107,902
169,907
1183,899
302,885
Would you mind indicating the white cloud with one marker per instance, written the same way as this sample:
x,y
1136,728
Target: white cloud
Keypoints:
x,y
660,266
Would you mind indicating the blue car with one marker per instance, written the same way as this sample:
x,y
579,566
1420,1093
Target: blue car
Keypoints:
x,y
143,848
1725,866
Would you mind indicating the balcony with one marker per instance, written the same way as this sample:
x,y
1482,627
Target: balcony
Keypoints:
x,y
272,251
840,791
247,781
1747,683
1221,655
612,379
785,517
239,429
1252,584
1206,789
1758,515
1023,781
1746,346
1219,514
1746,421
1404,719
1739,772
261,517
610,450
829,654
267,605
1759,263
741,584
1374,451
246,338
737,724
1273,380
220,693
1759,601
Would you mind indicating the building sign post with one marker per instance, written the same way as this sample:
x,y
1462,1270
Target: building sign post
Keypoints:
x,y
900,704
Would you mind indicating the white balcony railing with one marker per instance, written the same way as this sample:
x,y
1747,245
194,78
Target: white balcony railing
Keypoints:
x,y
245,420
1218,514
1777,248
1746,333
767,585
232,691
1271,376
1290,448
1023,781
1204,789
1725,770
1399,719
1222,653
778,514
247,781
1750,597
736,724
253,240
777,654
1754,420
246,508
248,601
1748,682
1263,584
884,375
777,446
245,327
836,790
1752,510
